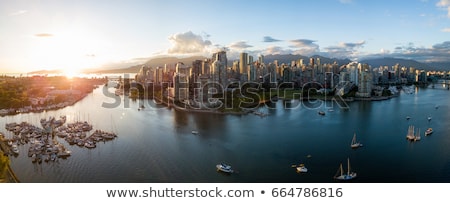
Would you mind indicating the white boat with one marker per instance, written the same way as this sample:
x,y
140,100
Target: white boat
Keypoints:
x,y
429,131
322,113
354,143
340,175
194,132
224,168
15,149
408,117
417,136
301,168
411,135
429,118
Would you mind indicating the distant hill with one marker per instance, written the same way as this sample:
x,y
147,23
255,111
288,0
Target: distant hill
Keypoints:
x,y
377,62
44,72
154,62
442,66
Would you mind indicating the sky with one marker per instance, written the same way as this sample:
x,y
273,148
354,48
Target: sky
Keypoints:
x,y
75,35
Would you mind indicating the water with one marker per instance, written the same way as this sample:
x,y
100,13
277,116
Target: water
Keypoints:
x,y
156,144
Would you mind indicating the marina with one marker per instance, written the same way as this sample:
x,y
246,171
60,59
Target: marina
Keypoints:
x,y
43,143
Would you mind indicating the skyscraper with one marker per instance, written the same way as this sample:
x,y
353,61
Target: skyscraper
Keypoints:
x,y
243,62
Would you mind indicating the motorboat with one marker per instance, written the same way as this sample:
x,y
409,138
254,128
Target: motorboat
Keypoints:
x,y
224,168
322,113
15,149
429,131
194,132
301,168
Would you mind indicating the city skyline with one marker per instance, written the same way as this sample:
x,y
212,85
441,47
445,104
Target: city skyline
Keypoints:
x,y
92,34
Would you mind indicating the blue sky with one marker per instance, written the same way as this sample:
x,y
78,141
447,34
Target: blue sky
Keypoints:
x,y
71,35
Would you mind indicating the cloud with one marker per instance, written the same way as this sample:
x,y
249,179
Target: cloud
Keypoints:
x,y
19,12
270,39
352,45
43,35
188,43
273,50
444,4
344,50
305,46
446,29
303,42
345,1
240,45
436,53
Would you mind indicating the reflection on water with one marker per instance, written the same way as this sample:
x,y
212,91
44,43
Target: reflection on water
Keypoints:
x,y
157,144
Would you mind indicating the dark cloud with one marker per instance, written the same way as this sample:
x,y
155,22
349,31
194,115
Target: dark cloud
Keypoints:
x,y
188,43
305,47
270,39
437,53
303,42
353,45
344,50
43,35
240,45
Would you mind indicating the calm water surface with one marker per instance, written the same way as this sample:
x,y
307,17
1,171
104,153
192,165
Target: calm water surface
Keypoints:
x,y
156,144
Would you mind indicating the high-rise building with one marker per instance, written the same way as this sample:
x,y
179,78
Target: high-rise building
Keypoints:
x,y
243,62
261,59
219,69
365,81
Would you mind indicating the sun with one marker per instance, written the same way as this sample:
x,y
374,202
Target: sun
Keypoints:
x,y
70,74
71,51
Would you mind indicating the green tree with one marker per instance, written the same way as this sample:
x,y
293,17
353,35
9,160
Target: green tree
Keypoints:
x,y
4,161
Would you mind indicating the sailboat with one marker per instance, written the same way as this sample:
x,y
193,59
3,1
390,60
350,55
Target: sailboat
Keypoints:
x,y
340,173
354,143
410,135
417,136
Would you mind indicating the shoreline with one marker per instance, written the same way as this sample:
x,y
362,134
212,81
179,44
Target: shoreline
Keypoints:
x,y
254,111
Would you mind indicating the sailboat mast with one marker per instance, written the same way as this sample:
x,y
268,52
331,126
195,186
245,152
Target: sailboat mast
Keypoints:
x,y
348,166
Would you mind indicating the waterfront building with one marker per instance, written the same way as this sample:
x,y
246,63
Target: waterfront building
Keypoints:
x,y
145,74
365,82
219,69
243,62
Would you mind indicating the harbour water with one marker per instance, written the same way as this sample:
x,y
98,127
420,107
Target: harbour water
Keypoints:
x,y
156,144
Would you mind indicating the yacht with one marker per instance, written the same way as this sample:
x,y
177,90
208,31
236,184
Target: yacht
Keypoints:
x,y
224,168
354,143
340,175
15,149
429,131
301,168
410,135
